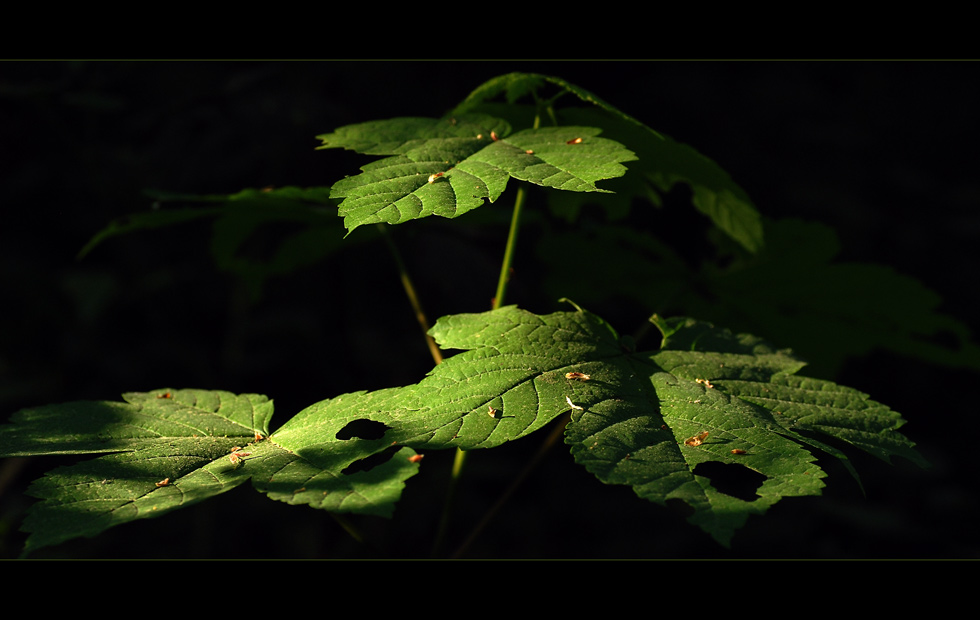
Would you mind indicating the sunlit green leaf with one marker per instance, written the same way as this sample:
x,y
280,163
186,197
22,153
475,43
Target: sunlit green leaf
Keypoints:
x,y
451,166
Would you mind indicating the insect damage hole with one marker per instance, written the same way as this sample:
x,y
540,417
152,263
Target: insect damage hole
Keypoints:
x,y
362,429
732,479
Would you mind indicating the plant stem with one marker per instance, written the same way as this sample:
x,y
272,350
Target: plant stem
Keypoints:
x,y
412,296
505,268
515,219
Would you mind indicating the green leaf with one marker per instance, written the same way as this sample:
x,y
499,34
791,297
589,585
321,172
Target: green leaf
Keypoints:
x,y
653,435
514,364
328,475
148,220
725,399
239,218
760,375
630,419
226,205
651,420
795,290
451,166
834,309
168,449
313,233
662,162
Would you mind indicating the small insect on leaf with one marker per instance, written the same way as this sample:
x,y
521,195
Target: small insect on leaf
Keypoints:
x,y
493,135
738,451
573,405
529,152
415,458
581,376
163,482
705,383
697,440
433,177
167,395
237,456
492,412
575,141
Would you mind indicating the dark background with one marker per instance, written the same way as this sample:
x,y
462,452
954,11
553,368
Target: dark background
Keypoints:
x,y
884,152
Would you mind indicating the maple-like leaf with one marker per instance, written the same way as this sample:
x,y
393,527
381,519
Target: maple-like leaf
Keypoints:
x,y
447,167
236,218
167,449
795,290
636,417
647,419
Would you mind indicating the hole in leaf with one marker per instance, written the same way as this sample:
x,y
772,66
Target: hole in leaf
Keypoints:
x,y
362,429
370,462
732,479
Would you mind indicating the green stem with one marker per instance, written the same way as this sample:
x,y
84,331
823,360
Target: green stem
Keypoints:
x,y
515,219
505,268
